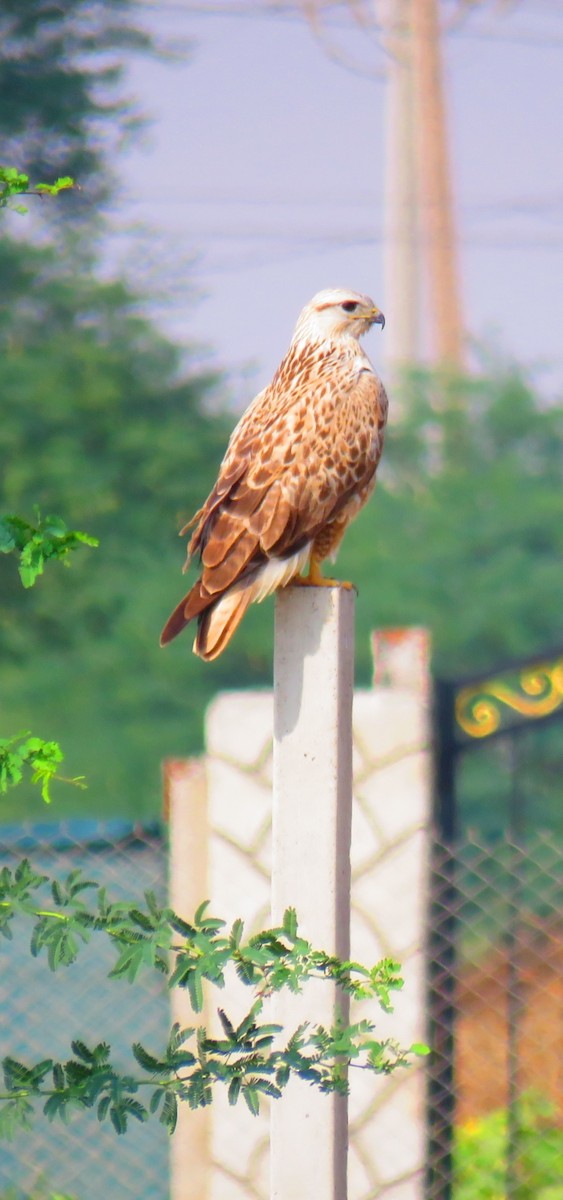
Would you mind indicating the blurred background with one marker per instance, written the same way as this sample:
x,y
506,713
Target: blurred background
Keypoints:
x,y
233,157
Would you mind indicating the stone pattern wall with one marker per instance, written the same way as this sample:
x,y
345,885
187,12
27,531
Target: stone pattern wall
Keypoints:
x,y
391,809
239,780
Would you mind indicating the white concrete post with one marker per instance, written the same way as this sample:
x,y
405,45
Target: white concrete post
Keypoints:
x,y
185,808
312,811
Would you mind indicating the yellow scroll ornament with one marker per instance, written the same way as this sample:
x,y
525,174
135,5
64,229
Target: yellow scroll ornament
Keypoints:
x,y
537,693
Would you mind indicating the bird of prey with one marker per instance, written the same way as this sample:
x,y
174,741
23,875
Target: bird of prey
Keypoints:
x,y
299,465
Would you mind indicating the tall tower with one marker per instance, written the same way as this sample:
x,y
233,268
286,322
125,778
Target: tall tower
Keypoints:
x,y
402,265
435,202
422,291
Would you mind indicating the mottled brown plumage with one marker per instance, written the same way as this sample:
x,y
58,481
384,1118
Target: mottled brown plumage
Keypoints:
x,y
299,465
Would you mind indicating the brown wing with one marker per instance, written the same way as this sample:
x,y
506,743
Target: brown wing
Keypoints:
x,y
302,450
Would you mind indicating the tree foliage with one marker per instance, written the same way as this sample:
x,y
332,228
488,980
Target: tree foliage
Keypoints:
x,y
465,532
61,91
464,535
48,540
41,759
103,424
14,183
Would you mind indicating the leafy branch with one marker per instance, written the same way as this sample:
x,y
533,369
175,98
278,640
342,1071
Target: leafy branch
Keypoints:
x,y
247,1059
15,183
41,758
36,544
147,937
48,540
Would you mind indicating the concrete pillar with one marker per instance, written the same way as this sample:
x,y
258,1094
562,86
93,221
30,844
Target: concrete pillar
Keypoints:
x,y
185,808
312,811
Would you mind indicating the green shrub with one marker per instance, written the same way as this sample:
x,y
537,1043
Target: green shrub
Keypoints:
x,y
481,1151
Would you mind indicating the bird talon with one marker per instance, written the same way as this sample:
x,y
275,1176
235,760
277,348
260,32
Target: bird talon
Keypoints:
x,y
315,579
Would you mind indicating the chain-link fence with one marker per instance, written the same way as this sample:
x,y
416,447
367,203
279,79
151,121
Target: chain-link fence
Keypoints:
x,y
495,1002
496,1020
43,1011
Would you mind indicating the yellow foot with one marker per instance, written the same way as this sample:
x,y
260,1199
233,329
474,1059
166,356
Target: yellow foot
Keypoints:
x,y
316,579
306,581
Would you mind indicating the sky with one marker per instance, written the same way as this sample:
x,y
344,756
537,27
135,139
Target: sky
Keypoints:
x,y
261,177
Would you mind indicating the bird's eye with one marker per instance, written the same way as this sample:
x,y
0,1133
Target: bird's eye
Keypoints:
x,y
349,306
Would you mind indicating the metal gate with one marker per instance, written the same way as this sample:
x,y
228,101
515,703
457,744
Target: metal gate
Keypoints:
x,y
495,944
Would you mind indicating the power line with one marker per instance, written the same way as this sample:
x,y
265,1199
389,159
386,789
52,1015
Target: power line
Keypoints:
x,y
287,12
256,262
479,209
326,240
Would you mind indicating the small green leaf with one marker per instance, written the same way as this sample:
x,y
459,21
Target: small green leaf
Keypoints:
x,y
228,1028
103,1107
200,912
7,539
237,932
145,1060
54,526
252,1099
282,1075
169,1114
290,923
419,1048
195,988
118,1119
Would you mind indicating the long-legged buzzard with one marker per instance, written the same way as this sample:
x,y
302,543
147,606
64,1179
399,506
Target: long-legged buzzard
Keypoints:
x,y
299,465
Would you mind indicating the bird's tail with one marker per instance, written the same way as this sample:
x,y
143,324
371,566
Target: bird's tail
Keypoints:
x,y
217,619
218,623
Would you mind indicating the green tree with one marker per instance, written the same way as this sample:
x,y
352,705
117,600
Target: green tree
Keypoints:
x,y
62,107
465,536
101,416
104,423
469,541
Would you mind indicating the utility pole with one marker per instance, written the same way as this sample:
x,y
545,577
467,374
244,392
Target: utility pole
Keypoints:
x,y
401,235
434,187
421,269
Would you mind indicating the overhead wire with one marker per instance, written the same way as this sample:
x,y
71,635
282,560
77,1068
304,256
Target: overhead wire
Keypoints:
x,y
294,12
525,205
482,210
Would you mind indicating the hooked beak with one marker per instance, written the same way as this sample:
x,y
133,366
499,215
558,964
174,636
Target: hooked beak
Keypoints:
x,y
375,317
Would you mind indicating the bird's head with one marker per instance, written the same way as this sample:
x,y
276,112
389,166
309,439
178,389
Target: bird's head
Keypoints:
x,y
336,313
